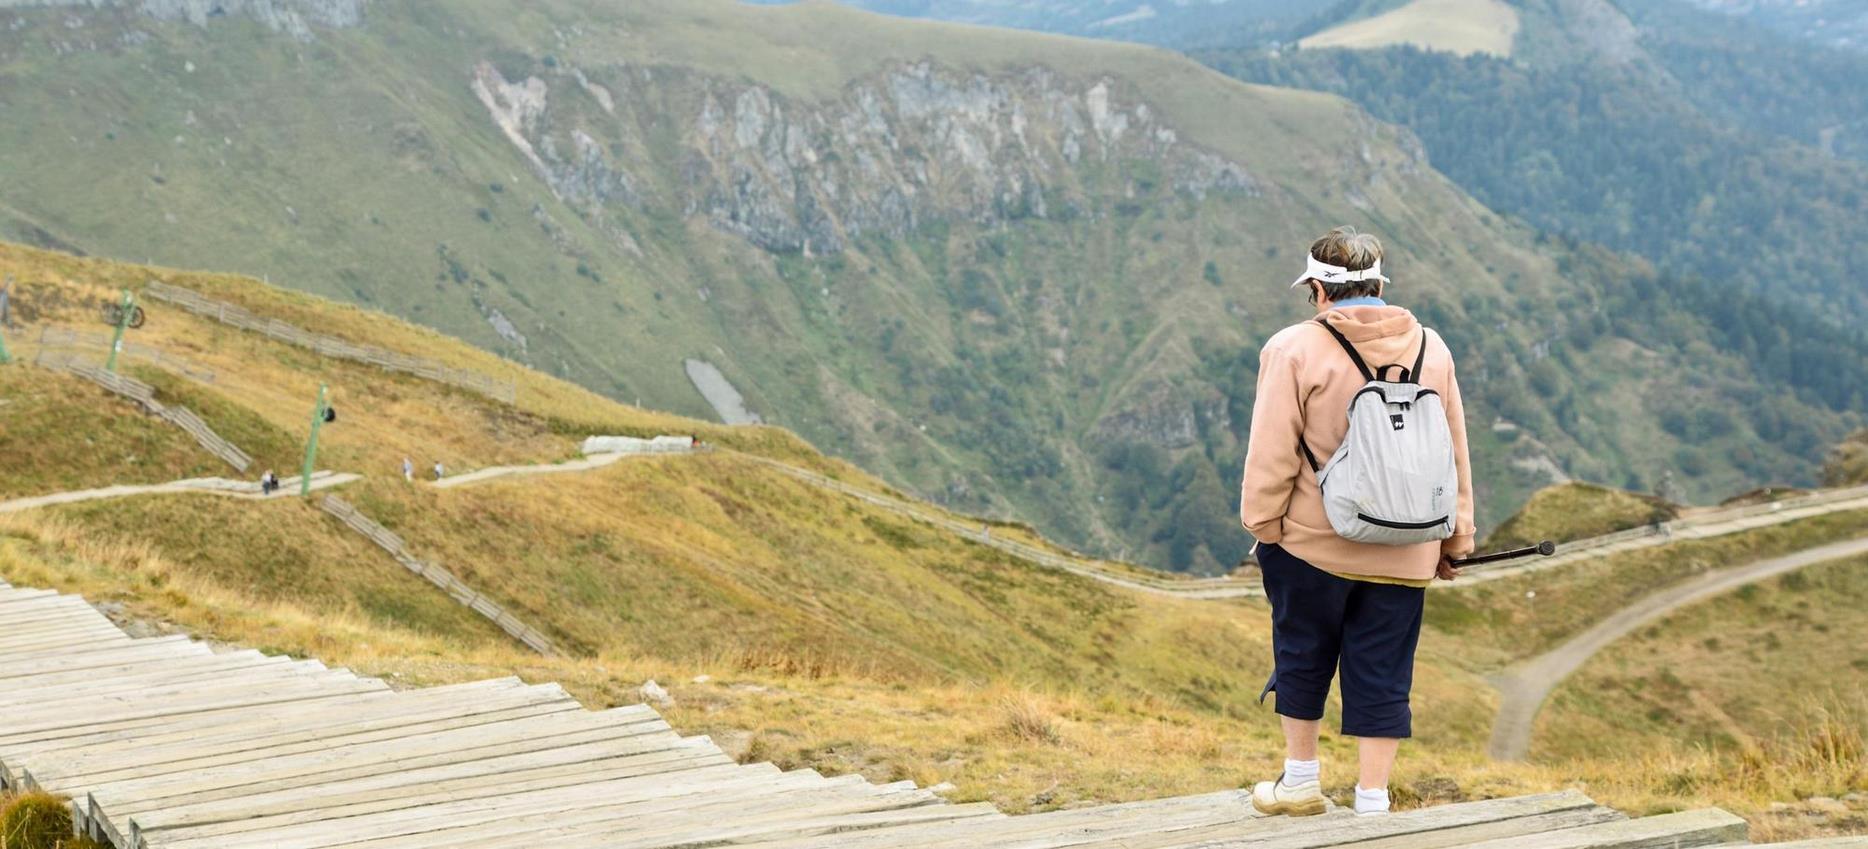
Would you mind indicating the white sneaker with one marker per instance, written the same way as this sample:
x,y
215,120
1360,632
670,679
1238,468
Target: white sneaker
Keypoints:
x,y
1275,797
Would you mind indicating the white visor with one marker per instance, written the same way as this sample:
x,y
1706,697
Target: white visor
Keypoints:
x,y
1328,273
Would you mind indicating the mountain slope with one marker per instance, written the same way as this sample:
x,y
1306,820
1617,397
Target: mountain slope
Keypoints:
x,y
1020,274
1711,149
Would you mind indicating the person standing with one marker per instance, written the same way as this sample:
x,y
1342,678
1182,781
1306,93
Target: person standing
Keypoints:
x,y
439,470
1338,603
408,470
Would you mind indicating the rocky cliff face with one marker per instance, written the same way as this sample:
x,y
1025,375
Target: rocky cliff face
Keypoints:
x,y
912,145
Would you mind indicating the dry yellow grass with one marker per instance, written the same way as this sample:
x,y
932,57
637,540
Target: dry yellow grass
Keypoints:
x,y
38,821
1461,27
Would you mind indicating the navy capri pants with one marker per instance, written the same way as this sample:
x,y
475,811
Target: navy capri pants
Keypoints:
x,y
1322,622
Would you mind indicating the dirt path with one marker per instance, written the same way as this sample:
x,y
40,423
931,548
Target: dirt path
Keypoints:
x,y
594,461
211,486
1525,686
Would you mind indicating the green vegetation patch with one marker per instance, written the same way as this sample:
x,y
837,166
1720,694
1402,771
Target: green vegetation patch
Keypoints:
x,y
1573,511
1848,462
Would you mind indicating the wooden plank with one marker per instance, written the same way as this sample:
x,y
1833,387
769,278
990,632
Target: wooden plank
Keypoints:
x,y
418,751
157,684
305,727
174,760
680,790
1330,830
843,804
208,699
1465,835
1684,830
410,791
14,660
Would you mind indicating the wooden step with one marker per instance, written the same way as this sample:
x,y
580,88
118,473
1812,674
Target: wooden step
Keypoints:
x,y
1684,830
167,744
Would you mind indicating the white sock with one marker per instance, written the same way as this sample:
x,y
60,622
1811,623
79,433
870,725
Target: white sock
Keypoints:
x,y
1301,772
1371,801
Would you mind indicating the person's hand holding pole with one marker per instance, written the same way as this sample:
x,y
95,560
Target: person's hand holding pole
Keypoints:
x,y
1545,548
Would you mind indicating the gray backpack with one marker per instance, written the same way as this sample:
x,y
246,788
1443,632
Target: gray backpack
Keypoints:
x,y
1393,481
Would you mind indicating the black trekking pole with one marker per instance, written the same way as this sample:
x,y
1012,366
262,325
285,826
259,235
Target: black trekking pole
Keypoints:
x,y
1545,548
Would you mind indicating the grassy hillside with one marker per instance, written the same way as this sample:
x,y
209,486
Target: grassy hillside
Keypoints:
x,y
1460,27
121,445
791,624
1573,511
1767,679
1019,274
1771,660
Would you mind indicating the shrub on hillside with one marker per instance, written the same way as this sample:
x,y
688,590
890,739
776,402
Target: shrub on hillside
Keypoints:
x,y
1573,511
1028,720
38,821
1848,462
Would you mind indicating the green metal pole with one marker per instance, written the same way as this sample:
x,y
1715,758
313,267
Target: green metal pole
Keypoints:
x,y
123,321
311,446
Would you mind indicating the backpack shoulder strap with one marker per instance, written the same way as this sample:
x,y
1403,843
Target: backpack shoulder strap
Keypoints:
x,y
1348,348
1413,374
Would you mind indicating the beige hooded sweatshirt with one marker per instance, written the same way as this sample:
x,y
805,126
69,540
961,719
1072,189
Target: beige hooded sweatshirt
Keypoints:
x,y
1305,383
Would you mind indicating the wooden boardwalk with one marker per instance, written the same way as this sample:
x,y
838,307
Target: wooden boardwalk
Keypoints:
x,y
166,743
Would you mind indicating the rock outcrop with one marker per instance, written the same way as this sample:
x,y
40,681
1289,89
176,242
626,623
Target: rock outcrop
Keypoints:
x,y
893,152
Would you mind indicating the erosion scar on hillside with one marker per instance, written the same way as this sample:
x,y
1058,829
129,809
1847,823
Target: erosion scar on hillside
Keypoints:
x,y
719,392
1524,687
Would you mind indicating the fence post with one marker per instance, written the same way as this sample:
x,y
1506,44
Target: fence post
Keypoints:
x,y
123,321
311,445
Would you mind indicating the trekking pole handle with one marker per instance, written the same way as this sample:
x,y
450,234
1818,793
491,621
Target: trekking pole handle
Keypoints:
x,y
1545,548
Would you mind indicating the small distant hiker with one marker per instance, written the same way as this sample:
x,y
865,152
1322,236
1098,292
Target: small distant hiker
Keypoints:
x,y
268,483
408,470
439,470
1358,490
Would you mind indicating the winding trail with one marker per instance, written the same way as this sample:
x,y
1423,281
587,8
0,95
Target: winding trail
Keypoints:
x,y
1525,686
288,487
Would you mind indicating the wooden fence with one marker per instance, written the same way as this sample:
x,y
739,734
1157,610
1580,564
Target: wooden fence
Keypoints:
x,y
439,576
142,393
63,338
331,346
